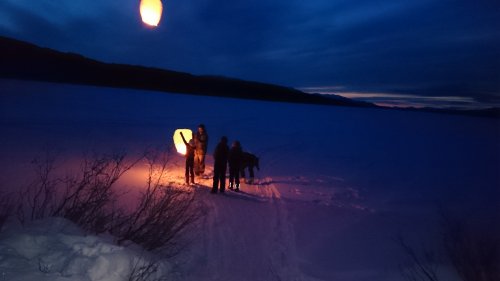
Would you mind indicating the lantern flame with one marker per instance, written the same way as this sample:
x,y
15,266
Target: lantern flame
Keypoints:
x,y
179,144
151,11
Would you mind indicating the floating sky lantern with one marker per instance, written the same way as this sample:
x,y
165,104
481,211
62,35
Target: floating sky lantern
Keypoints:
x,y
179,144
151,11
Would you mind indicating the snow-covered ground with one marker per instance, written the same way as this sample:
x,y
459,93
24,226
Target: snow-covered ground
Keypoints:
x,y
336,184
54,249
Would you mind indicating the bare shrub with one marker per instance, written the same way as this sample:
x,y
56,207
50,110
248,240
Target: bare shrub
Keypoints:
x,y
162,214
36,200
145,271
424,264
6,207
472,253
89,198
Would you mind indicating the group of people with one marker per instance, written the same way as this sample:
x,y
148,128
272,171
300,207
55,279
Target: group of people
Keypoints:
x,y
223,155
196,149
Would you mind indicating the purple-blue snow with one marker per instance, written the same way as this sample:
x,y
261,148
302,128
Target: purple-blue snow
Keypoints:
x,y
336,185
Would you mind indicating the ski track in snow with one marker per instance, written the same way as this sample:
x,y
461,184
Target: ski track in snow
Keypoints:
x,y
228,235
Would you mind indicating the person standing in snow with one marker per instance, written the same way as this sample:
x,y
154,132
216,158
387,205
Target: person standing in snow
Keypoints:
x,y
201,143
190,148
220,165
234,159
250,161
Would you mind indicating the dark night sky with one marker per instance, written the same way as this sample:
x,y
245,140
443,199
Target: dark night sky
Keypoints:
x,y
413,52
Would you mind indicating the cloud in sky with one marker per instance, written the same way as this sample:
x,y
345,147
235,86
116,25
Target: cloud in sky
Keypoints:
x,y
405,99
411,47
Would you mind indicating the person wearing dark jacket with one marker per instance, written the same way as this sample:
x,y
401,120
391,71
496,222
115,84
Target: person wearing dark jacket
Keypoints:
x,y
250,161
190,148
234,159
201,143
220,164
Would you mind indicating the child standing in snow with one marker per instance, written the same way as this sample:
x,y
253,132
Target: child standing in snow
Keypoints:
x,y
234,159
190,147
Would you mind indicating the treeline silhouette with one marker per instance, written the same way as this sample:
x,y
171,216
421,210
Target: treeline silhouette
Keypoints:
x,y
22,60
26,61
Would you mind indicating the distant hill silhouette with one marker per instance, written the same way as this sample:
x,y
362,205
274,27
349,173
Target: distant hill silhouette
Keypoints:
x,y
22,60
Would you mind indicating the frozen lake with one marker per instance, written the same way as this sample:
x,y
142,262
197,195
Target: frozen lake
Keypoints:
x,y
336,184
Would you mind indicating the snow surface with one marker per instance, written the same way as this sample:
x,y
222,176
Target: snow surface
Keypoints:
x,y
336,184
54,249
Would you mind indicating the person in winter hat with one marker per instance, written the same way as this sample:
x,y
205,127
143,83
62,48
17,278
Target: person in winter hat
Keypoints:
x,y
201,144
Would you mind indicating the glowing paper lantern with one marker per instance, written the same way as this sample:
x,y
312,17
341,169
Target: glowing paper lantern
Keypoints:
x,y
179,144
151,11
